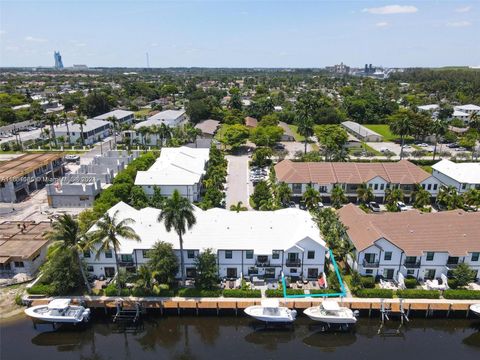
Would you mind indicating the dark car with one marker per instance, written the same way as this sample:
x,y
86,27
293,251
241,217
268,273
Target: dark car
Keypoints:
x,y
292,204
302,205
279,146
374,206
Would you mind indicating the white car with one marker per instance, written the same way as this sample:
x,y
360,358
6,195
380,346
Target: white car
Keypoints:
x,y
401,206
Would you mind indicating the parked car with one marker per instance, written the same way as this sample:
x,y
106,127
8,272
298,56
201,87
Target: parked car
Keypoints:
x,y
302,205
279,146
423,145
460,149
320,205
374,206
401,206
292,204
453,146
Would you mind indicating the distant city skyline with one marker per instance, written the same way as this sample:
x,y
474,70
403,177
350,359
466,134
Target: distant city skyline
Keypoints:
x,y
108,33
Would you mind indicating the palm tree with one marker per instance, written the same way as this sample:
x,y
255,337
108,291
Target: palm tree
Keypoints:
x,y
337,197
145,278
421,197
143,130
305,128
238,207
66,232
52,120
164,133
108,233
472,198
178,213
393,195
114,121
66,122
311,197
449,198
283,192
364,193
402,124
440,128
46,131
81,120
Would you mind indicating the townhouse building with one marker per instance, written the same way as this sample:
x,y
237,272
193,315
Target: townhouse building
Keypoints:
x,y
261,244
122,116
462,176
93,131
421,245
378,176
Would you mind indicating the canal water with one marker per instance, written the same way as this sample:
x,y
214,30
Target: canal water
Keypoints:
x,y
203,337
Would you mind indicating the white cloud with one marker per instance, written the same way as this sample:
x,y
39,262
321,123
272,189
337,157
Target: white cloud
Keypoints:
x,y
392,9
382,24
463,9
35,39
459,23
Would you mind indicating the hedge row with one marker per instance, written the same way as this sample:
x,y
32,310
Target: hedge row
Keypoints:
x,y
418,294
41,289
279,292
411,283
192,292
375,293
238,293
462,294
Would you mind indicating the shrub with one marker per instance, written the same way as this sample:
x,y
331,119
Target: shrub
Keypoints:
x,y
368,282
191,292
279,292
111,290
18,299
41,289
418,294
452,284
411,283
238,293
323,291
462,294
375,293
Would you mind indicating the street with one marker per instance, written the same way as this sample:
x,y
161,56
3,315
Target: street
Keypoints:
x,y
239,186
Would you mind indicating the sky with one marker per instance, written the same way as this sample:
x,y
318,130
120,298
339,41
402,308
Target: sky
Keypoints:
x,y
243,33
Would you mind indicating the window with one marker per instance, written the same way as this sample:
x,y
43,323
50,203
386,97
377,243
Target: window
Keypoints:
x,y
276,254
145,254
108,254
86,254
369,186
430,274
370,258
388,255
382,186
375,187
435,186
90,268
410,272
475,256
297,188
249,254
191,272
369,271
452,260
190,254
388,273
126,258
293,271
312,273
252,271
35,257
423,186
228,254
19,264
322,189
429,187
311,255
464,186
430,255
231,272
388,186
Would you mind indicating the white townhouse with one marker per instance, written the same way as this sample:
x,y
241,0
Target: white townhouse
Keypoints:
x,y
122,116
468,109
93,131
462,176
349,176
247,243
422,245
179,169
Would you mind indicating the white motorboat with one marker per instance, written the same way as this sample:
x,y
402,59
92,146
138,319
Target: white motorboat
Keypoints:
x,y
475,308
330,312
270,311
59,311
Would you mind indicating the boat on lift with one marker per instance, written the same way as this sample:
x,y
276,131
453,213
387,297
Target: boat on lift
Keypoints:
x,y
475,308
270,311
59,311
330,312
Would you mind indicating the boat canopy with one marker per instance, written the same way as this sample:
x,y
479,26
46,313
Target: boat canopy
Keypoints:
x,y
59,304
270,303
330,306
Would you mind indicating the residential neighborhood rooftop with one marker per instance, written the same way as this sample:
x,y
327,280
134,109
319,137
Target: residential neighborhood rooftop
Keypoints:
x,y
22,165
466,173
359,129
90,124
208,126
456,232
166,116
119,114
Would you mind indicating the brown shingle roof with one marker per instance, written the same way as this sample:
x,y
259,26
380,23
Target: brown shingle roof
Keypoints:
x,y
22,165
401,172
456,232
208,126
251,122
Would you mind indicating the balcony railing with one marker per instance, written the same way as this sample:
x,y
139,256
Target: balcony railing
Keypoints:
x,y
293,263
265,263
370,264
125,263
453,265
412,264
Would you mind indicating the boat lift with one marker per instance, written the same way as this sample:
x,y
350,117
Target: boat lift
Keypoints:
x,y
385,316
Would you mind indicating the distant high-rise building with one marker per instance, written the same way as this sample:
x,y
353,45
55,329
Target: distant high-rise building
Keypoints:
x,y
58,60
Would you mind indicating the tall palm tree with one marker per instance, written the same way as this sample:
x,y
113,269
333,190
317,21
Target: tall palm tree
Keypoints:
x,y
238,207
449,198
51,120
472,198
421,197
311,197
81,120
364,193
66,232
178,214
439,128
474,120
65,120
337,197
108,233
283,192
305,128
114,121
393,195
164,133
402,124
144,130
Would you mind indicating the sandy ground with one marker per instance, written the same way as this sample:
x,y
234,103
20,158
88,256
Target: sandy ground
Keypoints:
x,y
10,311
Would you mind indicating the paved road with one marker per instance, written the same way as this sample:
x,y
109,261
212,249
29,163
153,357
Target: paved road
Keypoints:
x,y
24,135
239,187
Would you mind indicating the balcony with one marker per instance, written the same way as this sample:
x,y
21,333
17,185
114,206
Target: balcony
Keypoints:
x,y
262,263
293,263
453,265
125,263
412,264
370,264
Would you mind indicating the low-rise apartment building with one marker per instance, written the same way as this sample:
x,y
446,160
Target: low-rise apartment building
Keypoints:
x,y
421,245
462,176
27,173
122,116
349,176
247,243
93,131
361,132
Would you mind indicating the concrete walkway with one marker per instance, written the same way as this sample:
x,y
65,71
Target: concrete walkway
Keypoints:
x,y
239,186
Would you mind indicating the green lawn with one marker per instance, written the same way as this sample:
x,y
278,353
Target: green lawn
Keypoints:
x,y
140,114
297,136
383,130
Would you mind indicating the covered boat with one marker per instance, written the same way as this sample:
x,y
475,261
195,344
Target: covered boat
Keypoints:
x,y
270,311
475,308
330,312
59,311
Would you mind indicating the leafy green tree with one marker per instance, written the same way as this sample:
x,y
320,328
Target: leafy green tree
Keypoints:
x,y
206,270
107,236
337,197
333,139
355,281
96,103
234,135
170,89
238,207
364,193
68,235
145,278
62,271
261,193
305,128
178,214
463,274
261,156
401,124
283,192
472,198
163,262
392,196
138,198
198,110
439,129
266,135
157,199
311,197
269,120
